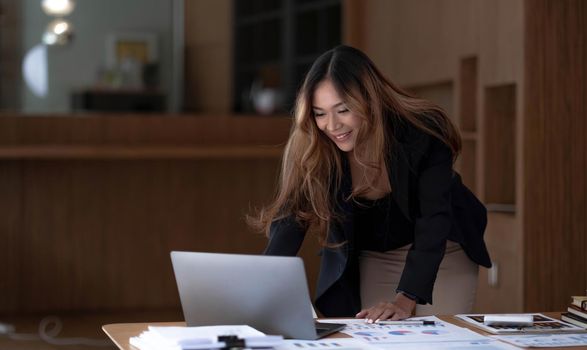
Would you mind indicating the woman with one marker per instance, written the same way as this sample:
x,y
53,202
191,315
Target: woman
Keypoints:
x,y
369,169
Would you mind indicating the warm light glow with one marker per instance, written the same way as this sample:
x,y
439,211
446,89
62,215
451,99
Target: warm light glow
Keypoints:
x,y
34,70
61,28
58,7
49,38
58,32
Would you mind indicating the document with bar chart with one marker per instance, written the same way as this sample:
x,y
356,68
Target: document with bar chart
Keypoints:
x,y
440,331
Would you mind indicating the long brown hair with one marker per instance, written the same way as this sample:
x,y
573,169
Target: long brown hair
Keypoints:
x,y
312,163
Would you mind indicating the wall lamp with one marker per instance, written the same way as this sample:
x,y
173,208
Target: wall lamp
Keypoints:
x,y
59,31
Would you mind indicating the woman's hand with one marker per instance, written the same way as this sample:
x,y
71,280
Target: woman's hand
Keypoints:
x,y
402,307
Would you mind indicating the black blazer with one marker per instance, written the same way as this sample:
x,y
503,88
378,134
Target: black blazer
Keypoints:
x,y
429,193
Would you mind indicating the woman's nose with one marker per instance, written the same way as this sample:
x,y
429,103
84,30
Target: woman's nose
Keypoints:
x,y
333,123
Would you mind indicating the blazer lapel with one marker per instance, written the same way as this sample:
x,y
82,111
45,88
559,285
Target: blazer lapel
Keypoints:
x,y
398,170
334,261
344,194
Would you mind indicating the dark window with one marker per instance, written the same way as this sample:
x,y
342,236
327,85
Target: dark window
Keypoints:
x,y
276,41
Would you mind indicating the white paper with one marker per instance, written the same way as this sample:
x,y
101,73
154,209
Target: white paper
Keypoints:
x,y
341,320
545,340
515,320
380,335
487,344
325,344
209,333
177,338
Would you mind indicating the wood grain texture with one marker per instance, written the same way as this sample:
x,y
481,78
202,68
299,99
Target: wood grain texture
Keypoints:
x,y
468,164
136,130
555,159
208,55
507,295
500,150
11,55
11,207
87,232
353,23
468,87
139,152
468,75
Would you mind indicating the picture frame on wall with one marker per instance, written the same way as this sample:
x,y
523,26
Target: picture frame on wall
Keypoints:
x,y
131,61
140,47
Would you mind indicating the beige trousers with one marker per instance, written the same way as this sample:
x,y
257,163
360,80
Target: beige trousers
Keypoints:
x,y
454,289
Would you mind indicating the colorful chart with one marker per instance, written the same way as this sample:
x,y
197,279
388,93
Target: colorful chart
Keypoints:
x,y
384,335
400,332
366,334
434,332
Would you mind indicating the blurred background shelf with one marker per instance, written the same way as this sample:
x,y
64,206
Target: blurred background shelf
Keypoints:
x,y
129,153
118,100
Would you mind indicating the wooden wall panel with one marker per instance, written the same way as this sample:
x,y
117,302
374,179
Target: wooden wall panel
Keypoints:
x,y
506,295
500,150
208,55
468,84
11,221
138,130
467,164
353,23
97,234
46,258
555,156
447,31
10,54
85,232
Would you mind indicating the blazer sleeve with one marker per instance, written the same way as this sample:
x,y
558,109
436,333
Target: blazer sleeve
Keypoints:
x,y
286,236
433,222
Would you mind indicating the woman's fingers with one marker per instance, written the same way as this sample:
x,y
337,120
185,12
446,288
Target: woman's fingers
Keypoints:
x,y
383,311
371,314
401,314
387,313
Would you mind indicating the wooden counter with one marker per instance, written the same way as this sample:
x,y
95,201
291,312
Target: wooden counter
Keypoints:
x,y
148,130
91,206
138,152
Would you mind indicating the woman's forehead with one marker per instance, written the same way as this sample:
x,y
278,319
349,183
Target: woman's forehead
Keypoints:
x,y
326,95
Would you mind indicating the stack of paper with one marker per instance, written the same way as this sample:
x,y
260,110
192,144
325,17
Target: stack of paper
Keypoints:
x,y
184,338
540,324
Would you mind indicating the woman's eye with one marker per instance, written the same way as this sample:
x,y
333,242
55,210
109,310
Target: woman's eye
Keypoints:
x,y
318,114
343,111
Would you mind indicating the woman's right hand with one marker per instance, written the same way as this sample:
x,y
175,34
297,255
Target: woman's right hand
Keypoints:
x,y
402,307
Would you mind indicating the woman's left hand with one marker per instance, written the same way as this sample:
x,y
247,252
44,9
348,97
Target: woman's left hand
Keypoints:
x,y
402,307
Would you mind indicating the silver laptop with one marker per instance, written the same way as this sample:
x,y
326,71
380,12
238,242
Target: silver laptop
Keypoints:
x,y
268,293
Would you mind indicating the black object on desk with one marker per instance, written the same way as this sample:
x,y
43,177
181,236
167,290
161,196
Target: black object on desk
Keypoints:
x,y
232,342
118,100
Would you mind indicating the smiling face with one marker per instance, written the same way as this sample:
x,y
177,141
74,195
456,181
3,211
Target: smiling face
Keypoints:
x,y
333,117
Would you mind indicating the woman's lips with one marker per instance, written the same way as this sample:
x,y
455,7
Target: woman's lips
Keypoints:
x,y
342,137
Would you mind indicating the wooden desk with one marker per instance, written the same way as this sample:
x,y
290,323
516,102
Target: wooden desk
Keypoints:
x,y
120,333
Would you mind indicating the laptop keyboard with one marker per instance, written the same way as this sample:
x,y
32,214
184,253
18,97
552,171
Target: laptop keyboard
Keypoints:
x,y
327,328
